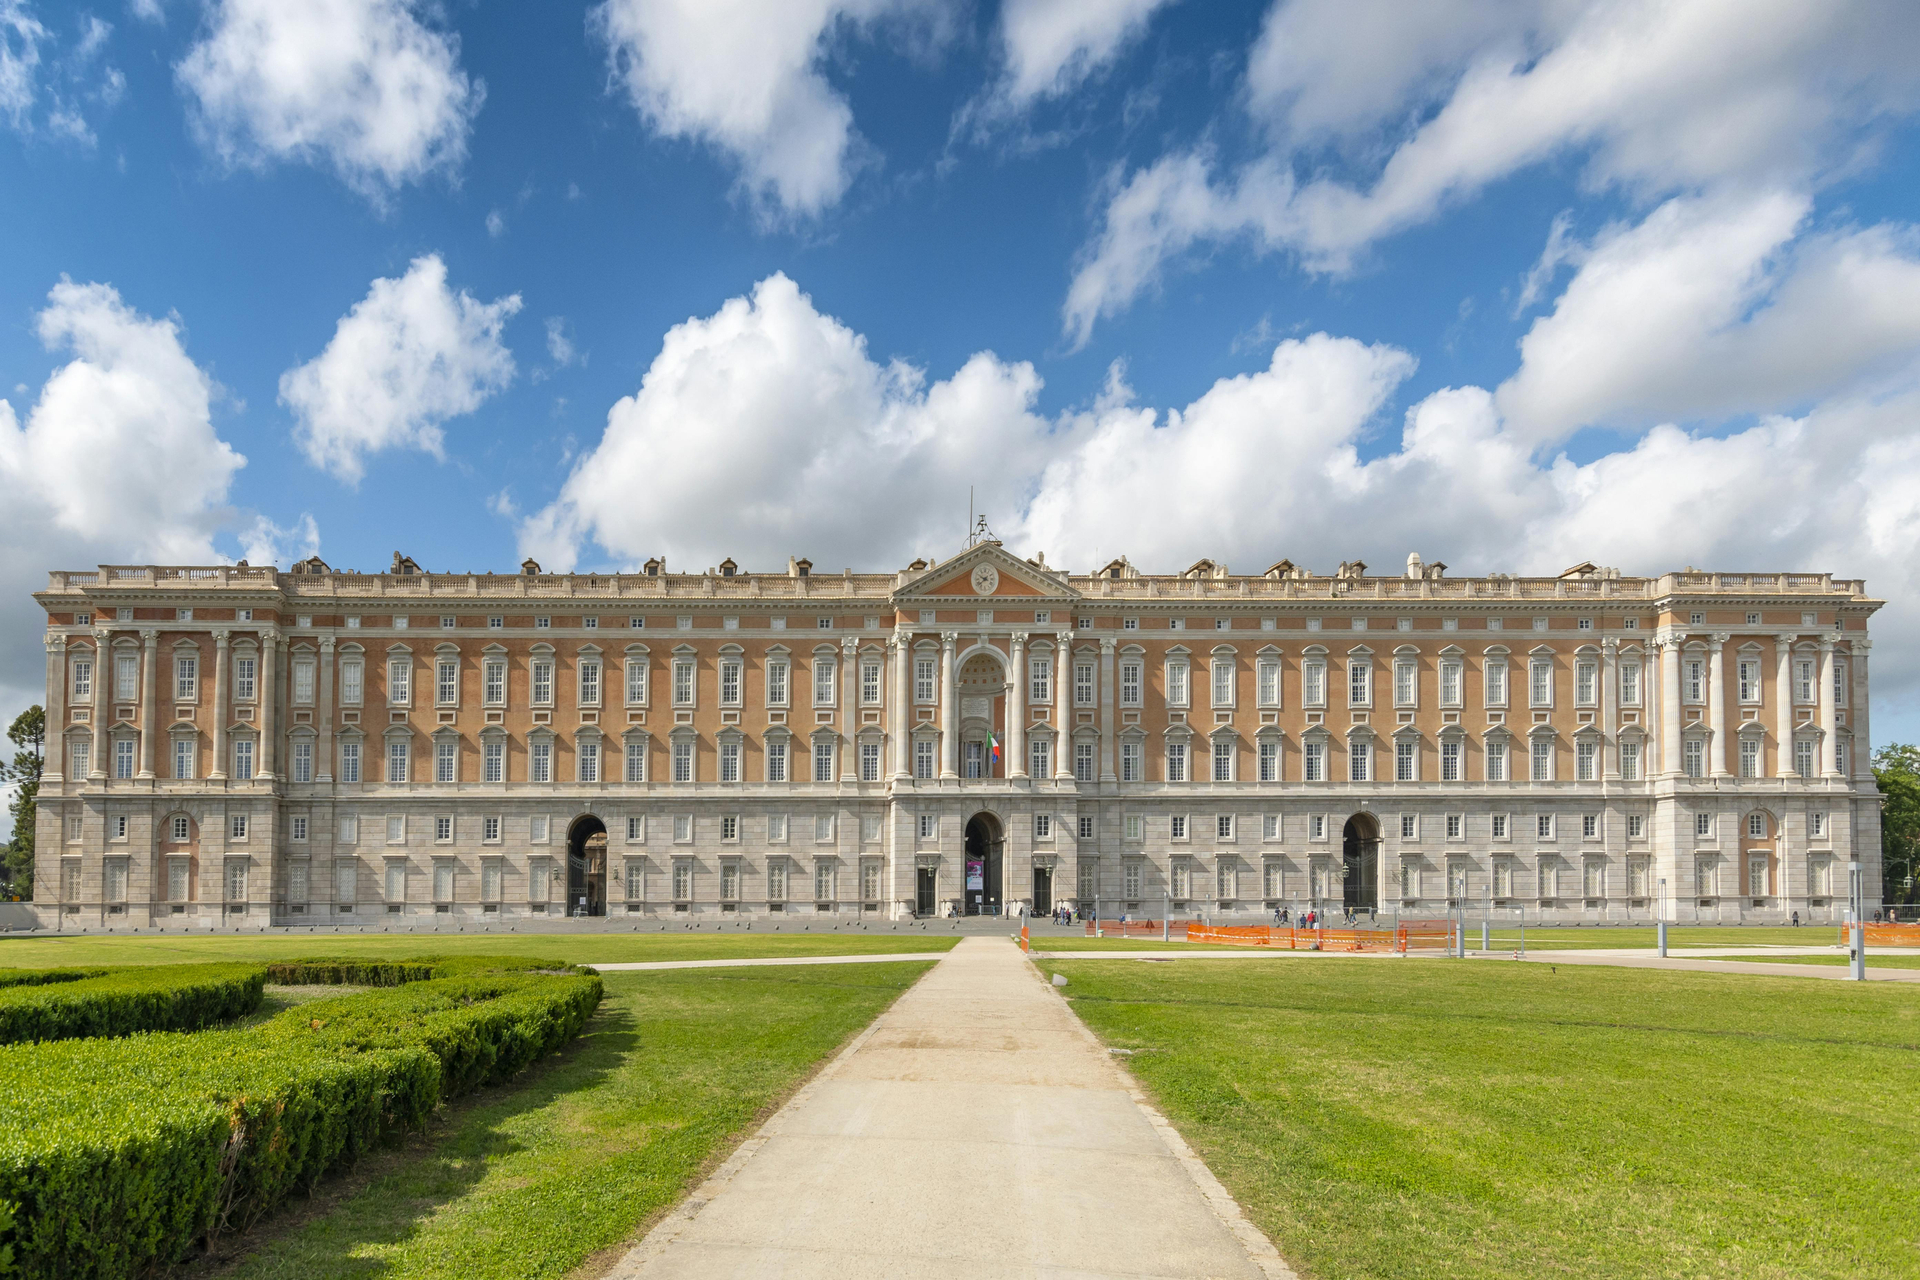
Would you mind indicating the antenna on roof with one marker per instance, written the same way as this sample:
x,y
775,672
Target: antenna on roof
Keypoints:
x,y
969,515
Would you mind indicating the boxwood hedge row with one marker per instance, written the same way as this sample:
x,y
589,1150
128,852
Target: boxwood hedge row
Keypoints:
x,y
67,1003
122,1155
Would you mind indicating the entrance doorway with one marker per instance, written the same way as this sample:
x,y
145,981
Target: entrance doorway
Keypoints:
x,y
587,867
981,894
1360,864
1043,891
923,890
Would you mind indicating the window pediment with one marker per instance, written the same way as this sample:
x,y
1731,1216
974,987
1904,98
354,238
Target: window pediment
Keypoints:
x,y
399,648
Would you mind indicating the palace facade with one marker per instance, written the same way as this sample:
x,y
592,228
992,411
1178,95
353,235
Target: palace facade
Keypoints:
x,y
233,745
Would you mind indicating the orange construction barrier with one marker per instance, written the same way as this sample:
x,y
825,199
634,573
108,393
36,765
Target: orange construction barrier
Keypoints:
x,y
1884,935
1133,929
1420,935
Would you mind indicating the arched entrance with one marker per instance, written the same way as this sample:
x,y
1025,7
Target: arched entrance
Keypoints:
x,y
587,867
981,682
984,870
1360,863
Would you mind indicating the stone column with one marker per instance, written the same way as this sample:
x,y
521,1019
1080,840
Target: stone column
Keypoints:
x,y
1670,703
323,767
1828,722
102,700
949,708
1108,694
1717,704
1017,708
1610,710
222,694
1861,763
850,713
55,749
149,700
1783,706
269,705
1063,707
899,717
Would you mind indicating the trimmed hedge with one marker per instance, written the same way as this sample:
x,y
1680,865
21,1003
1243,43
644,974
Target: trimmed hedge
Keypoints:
x,y
123,1155
66,1004
357,972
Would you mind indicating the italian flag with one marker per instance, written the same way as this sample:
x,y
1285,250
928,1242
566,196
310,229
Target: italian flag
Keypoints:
x,y
993,744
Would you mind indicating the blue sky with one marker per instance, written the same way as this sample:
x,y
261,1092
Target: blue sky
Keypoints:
x,y
1510,283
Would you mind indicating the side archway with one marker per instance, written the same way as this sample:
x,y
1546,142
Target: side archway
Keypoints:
x,y
587,867
1360,863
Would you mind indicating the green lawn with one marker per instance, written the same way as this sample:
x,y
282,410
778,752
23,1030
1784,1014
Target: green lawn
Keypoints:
x,y
29,952
1873,961
532,1180
1425,1119
1557,938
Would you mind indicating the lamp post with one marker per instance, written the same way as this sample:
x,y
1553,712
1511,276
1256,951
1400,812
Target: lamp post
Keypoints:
x,y
1660,926
1856,921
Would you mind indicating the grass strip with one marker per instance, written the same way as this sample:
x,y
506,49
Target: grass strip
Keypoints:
x,y
561,1173
1422,1118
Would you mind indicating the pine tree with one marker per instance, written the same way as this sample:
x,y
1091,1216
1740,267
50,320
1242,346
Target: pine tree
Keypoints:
x,y
28,733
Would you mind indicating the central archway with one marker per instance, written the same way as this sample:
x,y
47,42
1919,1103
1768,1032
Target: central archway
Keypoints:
x,y
587,867
1360,863
981,890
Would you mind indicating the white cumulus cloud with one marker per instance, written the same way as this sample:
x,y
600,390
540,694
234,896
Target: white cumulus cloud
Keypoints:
x,y
360,85
768,430
1431,103
410,355
745,77
1051,46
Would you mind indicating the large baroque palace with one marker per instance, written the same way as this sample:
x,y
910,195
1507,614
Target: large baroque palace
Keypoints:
x,y
248,746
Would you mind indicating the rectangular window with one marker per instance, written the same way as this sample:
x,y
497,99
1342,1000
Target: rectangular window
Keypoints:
x,y
1359,684
542,682
126,677
822,828
1083,686
1589,825
82,757
1043,826
1405,762
1313,683
1409,826
1496,681
1629,684
352,683
1223,752
1817,825
730,881
636,761
493,682
1404,684
1179,826
636,829
1176,762
1359,762
1083,762
1270,826
1314,762
349,762
1089,879
1268,678
587,761
493,761
396,828
303,762
1749,757
824,670
540,761
636,682
870,684
870,761
1269,760
776,879
184,750
825,888
923,758
399,682
1543,826
1176,684
445,761
683,682
1703,824
397,761
1803,759
1497,761
1039,680
123,757
929,825
1449,684
1450,760
777,672
1540,682
682,828
923,679
1456,826
589,682
823,761
1086,827
1693,679
730,682
1130,758
1585,754
186,679
1274,879
1694,753
1130,684
1542,758
1630,762
1586,682
1498,827
1636,826
683,760
682,879
302,684
1223,682
1748,672
442,829
243,759
1039,758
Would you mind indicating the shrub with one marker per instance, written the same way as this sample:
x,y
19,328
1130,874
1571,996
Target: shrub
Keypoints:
x,y
123,1154
65,1004
360,972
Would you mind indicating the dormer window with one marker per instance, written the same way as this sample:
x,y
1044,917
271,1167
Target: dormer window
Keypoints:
x,y
728,568
1114,572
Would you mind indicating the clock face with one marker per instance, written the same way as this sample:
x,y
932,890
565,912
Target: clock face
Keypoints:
x,y
986,580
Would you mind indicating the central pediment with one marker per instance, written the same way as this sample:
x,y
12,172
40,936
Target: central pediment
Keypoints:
x,y
986,571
